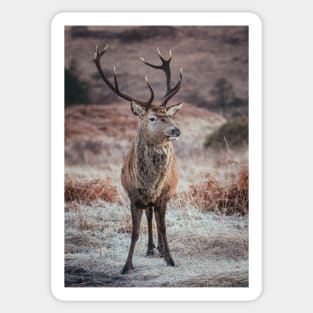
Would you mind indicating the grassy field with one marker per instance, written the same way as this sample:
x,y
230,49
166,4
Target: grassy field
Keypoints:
x,y
207,221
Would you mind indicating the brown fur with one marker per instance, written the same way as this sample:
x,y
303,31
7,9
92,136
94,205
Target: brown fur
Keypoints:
x,y
149,176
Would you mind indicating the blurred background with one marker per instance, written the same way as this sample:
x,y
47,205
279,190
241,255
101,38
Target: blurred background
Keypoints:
x,y
214,62
207,220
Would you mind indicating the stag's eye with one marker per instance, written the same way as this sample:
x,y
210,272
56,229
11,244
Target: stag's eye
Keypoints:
x,y
152,118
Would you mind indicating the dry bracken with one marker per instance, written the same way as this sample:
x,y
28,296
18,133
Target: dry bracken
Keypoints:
x,y
84,190
230,198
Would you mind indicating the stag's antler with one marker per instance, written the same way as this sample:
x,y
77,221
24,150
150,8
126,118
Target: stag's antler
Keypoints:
x,y
115,88
165,66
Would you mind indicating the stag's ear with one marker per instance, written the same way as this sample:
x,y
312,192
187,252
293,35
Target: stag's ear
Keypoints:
x,y
138,109
172,110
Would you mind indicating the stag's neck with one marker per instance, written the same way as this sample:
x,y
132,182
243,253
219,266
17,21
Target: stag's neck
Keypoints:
x,y
151,156
152,164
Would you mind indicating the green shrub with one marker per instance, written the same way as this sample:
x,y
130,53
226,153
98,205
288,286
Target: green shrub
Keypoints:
x,y
76,91
234,132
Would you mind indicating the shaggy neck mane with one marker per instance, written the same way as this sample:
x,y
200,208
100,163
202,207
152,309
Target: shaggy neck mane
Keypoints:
x,y
152,165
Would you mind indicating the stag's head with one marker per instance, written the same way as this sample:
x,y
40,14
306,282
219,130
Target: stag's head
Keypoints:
x,y
155,118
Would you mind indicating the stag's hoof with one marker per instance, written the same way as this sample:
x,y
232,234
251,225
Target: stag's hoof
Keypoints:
x,y
150,250
127,269
169,261
161,252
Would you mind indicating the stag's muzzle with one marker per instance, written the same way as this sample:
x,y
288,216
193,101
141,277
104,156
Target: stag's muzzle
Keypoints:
x,y
174,133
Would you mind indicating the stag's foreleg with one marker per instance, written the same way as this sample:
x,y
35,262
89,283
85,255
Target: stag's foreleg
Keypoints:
x,y
160,239
160,217
151,246
136,219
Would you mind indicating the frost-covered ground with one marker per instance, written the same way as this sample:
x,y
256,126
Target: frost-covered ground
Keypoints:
x,y
209,250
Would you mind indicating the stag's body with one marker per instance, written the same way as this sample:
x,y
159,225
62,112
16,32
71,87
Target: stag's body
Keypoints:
x,y
149,176
149,173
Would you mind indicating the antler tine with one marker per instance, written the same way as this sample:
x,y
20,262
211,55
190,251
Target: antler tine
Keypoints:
x,y
96,59
174,90
170,53
115,88
165,66
115,79
99,54
151,90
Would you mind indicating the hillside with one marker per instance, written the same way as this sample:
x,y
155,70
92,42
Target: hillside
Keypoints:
x,y
206,54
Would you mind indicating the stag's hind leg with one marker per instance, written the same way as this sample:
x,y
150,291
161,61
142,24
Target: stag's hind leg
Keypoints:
x,y
151,246
160,217
136,219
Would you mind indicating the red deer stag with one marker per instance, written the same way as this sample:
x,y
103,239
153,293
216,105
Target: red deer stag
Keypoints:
x,y
149,173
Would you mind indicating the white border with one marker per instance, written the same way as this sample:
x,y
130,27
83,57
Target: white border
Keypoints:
x,y
255,157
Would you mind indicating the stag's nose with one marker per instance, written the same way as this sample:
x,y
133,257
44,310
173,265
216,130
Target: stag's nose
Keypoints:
x,y
175,132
